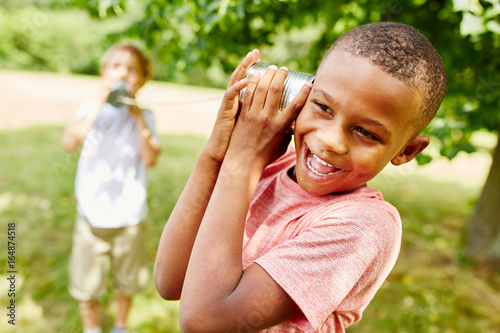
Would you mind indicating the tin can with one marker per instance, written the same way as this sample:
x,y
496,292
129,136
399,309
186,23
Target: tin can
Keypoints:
x,y
293,82
119,96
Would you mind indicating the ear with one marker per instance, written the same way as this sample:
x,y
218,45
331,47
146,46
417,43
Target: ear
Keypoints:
x,y
412,149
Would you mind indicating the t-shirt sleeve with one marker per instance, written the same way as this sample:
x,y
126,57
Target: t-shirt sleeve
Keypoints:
x,y
336,257
85,107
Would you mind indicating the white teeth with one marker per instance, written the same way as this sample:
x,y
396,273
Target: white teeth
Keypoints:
x,y
320,160
316,172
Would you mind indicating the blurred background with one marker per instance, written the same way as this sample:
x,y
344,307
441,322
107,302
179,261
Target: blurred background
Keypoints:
x,y
447,276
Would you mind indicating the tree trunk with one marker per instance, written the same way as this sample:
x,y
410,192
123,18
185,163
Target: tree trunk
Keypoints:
x,y
483,239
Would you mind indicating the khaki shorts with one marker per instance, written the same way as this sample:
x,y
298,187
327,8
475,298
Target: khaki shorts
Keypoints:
x,y
96,250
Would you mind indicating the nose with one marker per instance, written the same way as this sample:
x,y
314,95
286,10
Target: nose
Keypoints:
x,y
334,139
122,72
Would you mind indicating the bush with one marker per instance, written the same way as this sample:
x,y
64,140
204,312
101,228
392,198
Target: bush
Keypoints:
x,y
55,40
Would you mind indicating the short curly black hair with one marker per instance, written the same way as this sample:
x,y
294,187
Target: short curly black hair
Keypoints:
x,y
405,53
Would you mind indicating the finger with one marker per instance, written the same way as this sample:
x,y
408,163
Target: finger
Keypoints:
x,y
232,93
247,97
275,91
295,106
262,89
251,58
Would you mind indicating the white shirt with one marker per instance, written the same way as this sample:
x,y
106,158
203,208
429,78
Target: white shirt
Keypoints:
x,y
110,184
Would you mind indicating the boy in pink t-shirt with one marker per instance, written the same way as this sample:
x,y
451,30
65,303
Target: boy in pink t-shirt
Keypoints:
x,y
267,237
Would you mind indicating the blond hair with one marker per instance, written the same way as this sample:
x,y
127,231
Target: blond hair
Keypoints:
x,y
144,61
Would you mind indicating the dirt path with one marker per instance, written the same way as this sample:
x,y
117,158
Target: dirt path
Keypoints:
x,y
41,99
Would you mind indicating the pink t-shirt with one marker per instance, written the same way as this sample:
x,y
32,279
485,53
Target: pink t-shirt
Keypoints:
x,y
329,253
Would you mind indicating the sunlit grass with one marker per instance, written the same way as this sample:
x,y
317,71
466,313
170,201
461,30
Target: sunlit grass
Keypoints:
x,y
36,193
429,290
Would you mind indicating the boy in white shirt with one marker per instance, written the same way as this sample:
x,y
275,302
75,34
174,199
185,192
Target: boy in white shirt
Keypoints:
x,y
119,143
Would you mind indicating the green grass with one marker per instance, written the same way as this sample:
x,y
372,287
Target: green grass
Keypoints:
x,y
36,193
429,290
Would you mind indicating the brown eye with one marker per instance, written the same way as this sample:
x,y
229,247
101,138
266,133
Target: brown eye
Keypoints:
x,y
367,134
324,108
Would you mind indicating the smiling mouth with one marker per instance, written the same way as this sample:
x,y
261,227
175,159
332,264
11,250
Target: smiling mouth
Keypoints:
x,y
321,168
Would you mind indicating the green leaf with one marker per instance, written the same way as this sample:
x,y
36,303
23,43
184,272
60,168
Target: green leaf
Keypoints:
x,y
493,26
472,25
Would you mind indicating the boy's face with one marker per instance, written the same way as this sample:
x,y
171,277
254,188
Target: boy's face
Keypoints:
x,y
357,118
124,66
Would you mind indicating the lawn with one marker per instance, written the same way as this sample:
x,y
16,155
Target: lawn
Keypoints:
x,y
430,290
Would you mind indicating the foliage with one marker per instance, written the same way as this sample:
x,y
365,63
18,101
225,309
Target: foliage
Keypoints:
x,y
40,37
474,98
100,8
195,37
200,42
480,24
36,192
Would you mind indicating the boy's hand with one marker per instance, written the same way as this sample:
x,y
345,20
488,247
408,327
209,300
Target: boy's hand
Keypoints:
x,y
263,131
136,112
215,284
228,112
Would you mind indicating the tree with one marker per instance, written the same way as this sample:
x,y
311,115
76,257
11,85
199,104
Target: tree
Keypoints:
x,y
217,33
481,23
